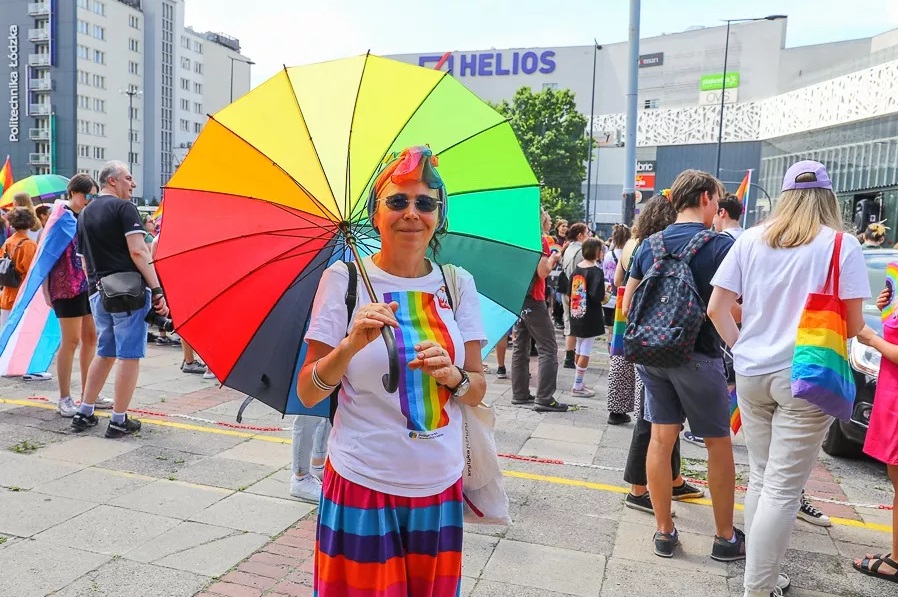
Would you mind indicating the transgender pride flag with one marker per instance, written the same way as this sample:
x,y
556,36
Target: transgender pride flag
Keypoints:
x,y
30,339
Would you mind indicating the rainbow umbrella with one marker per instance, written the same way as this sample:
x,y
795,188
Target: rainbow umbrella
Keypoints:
x,y
40,187
279,180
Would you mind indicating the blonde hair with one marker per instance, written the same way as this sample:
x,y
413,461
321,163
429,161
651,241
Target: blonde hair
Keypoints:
x,y
24,200
798,216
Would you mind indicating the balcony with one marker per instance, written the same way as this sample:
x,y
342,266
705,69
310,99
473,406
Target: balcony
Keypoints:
x,y
42,34
38,159
39,9
39,134
39,60
39,110
45,84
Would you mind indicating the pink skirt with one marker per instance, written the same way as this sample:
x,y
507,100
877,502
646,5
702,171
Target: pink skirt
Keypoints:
x,y
882,435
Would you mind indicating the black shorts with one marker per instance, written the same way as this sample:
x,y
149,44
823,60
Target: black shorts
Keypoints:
x,y
78,306
608,312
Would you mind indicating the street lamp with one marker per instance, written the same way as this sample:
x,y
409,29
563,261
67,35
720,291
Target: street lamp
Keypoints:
x,y
131,92
234,59
592,108
723,84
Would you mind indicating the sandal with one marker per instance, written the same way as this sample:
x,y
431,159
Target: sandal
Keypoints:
x,y
871,566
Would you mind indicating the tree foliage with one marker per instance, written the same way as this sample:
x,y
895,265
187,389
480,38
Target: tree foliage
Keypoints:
x,y
552,134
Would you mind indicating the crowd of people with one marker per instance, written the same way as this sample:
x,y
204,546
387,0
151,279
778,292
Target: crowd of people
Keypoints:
x,y
710,307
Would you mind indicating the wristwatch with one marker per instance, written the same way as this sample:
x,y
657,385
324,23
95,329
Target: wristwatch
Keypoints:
x,y
463,386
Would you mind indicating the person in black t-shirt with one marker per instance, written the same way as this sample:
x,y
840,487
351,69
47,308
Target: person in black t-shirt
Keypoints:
x,y
111,241
587,292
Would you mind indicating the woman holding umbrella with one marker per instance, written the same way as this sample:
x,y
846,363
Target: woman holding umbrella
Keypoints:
x,y
390,519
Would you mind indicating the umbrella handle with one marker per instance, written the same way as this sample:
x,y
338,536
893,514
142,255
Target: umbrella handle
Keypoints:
x,y
391,379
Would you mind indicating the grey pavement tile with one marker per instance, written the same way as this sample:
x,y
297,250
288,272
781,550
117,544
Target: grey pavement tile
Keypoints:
x,y
585,500
174,499
125,578
518,490
467,586
824,573
488,588
560,450
495,530
262,452
634,542
254,513
568,433
228,410
183,384
200,548
85,450
224,472
510,441
476,553
93,484
153,461
276,485
26,513
547,568
612,457
856,535
26,471
567,529
35,568
812,542
108,530
636,579
16,431
193,442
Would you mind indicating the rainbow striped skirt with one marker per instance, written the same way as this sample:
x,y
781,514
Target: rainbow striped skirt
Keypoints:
x,y
372,544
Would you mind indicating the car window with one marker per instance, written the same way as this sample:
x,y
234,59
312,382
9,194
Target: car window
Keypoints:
x,y
877,260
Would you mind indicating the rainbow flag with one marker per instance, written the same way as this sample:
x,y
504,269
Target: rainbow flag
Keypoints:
x,y
158,213
30,339
892,285
619,327
735,416
5,176
743,186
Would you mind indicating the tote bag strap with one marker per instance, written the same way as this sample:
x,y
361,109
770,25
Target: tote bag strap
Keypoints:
x,y
833,276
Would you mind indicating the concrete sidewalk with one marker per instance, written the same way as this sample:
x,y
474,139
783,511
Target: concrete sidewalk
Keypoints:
x,y
190,507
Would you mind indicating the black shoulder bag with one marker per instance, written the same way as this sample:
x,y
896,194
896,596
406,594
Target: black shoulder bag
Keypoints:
x,y
350,299
123,292
9,275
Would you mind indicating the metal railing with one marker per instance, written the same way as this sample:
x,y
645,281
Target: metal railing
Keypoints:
x,y
38,158
42,84
39,110
36,9
39,134
41,34
39,60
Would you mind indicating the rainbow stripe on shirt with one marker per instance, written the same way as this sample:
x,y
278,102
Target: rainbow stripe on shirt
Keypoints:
x,y
422,401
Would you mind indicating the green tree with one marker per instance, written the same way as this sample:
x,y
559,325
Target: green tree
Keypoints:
x,y
552,134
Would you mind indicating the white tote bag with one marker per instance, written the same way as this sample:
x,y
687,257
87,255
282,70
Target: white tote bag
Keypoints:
x,y
485,500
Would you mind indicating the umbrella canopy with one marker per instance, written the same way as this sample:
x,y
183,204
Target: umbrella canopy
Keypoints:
x,y
40,187
277,181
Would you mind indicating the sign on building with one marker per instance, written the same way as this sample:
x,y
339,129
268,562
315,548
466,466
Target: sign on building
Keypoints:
x,y
645,174
712,98
647,60
712,82
490,64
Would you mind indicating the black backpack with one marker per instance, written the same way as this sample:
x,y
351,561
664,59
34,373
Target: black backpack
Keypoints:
x,y
667,310
9,275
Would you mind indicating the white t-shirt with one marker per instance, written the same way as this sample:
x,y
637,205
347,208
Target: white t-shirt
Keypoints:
x,y
408,443
734,232
774,285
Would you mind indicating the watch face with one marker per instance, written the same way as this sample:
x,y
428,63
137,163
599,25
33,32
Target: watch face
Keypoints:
x,y
463,388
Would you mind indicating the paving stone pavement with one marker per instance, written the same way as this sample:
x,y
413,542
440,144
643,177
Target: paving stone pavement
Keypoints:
x,y
187,507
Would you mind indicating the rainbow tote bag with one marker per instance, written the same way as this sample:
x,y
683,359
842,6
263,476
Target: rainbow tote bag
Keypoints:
x,y
619,327
820,371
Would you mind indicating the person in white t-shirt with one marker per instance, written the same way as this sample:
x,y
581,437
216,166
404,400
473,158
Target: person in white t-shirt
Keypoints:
x,y
773,268
392,493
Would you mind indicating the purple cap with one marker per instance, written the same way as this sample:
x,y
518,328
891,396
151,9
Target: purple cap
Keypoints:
x,y
807,167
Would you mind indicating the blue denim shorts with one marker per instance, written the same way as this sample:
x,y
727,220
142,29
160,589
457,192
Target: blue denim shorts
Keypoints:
x,y
120,335
696,391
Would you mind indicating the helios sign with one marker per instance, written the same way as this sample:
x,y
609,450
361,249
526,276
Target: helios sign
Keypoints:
x,y
491,64
12,56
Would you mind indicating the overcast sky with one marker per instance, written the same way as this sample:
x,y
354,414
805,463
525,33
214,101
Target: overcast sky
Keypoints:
x,y
277,32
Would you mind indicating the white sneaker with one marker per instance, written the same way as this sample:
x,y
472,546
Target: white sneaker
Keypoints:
x,y
316,471
584,393
808,513
66,407
208,374
103,402
783,582
306,488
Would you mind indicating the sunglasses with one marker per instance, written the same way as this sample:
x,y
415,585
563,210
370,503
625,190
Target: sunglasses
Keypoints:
x,y
423,203
90,197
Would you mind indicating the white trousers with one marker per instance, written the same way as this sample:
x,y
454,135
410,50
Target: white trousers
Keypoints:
x,y
783,435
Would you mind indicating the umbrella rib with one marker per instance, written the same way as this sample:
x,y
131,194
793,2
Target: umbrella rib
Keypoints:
x,y
497,242
221,292
324,210
469,137
508,188
311,140
355,105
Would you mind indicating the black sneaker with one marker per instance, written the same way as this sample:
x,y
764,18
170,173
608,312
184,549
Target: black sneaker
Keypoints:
x,y
82,422
551,407
116,430
687,492
643,502
724,551
569,364
665,543
530,399
619,419
501,373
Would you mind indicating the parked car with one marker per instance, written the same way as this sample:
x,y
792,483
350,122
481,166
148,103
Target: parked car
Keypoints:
x,y
846,438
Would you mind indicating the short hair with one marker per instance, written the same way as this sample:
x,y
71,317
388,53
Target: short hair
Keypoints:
x,y
732,206
22,200
21,218
687,190
575,230
111,170
81,183
43,209
591,248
